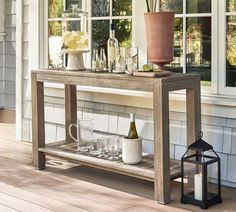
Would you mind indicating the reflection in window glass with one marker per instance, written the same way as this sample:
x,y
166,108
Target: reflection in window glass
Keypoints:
x,y
198,49
100,8
55,8
198,6
69,3
100,33
54,44
231,5
123,29
175,6
231,52
177,64
122,7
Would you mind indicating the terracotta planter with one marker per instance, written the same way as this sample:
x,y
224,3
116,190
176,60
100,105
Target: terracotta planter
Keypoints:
x,y
160,37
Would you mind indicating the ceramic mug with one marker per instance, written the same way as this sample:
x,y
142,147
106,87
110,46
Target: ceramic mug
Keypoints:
x,y
84,133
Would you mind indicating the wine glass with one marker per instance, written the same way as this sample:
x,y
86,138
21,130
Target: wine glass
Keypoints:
x,y
113,147
102,146
95,148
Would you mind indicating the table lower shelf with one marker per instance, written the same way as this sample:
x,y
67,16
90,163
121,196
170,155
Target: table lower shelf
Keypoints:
x,y
144,170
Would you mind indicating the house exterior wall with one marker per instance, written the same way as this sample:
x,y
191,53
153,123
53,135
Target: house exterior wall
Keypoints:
x,y
219,130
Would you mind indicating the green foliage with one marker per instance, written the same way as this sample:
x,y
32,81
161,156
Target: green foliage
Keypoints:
x,y
175,6
123,27
55,11
55,8
231,5
124,32
122,7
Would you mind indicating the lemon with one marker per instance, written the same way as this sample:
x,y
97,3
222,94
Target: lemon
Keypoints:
x,y
72,44
81,33
146,67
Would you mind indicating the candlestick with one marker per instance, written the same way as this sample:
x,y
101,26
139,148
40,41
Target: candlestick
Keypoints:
x,y
198,186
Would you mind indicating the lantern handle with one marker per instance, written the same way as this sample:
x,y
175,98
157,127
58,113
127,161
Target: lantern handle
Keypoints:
x,y
200,135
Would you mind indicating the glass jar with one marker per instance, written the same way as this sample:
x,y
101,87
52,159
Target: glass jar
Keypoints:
x,y
75,29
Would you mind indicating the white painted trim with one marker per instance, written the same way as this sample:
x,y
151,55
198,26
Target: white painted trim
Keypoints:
x,y
214,50
19,68
139,31
45,49
222,53
36,29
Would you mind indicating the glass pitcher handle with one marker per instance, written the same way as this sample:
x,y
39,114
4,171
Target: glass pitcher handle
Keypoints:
x,y
72,125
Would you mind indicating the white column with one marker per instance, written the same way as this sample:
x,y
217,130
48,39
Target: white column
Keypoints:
x,y
19,70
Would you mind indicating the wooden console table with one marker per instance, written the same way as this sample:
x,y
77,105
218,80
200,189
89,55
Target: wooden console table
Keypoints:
x,y
161,169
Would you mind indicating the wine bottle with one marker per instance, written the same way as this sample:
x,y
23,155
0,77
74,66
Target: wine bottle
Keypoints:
x,y
112,48
132,128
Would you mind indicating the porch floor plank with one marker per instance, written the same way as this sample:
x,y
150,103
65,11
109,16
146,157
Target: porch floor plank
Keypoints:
x,y
64,186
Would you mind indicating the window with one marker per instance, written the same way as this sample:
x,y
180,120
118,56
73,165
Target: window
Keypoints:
x,y
230,59
101,14
193,37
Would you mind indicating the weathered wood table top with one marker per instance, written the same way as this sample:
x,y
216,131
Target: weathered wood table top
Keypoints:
x,y
111,80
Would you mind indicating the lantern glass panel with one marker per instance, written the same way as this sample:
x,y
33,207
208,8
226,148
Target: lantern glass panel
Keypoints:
x,y
192,186
212,180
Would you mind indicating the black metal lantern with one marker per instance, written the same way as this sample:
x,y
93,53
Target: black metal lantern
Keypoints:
x,y
200,167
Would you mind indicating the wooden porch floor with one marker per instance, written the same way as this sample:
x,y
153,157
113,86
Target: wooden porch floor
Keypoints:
x,y
63,186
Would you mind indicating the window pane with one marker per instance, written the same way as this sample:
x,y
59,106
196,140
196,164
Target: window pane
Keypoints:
x,y
198,49
231,52
69,3
122,7
198,6
100,33
175,6
100,8
123,29
54,43
231,5
177,64
55,8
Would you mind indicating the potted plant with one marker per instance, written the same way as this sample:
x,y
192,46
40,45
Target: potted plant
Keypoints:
x,y
159,34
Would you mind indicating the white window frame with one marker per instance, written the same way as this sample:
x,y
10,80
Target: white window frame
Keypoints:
x,y
230,91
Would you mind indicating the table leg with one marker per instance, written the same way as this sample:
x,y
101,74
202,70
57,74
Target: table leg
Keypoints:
x,y
70,110
161,144
38,128
193,103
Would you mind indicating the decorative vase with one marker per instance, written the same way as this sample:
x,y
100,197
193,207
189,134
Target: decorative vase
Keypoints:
x,y
131,150
160,37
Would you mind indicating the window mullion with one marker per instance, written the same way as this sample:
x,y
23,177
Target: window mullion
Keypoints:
x,y
184,37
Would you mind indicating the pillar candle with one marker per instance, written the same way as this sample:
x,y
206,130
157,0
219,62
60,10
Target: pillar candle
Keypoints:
x,y
198,186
